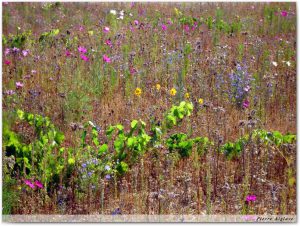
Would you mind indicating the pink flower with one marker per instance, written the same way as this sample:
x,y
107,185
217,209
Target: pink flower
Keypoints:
x,y
7,62
25,52
106,29
131,28
81,28
19,85
108,42
28,182
84,57
33,71
284,13
106,59
164,27
38,184
250,198
7,51
136,22
186,28
81,49
68,53
132,70
246,104
16,50
247,88
10,92
169,21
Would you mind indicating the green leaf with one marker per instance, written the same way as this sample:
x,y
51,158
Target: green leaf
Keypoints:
x,y
59,137
131,141
134,124
20,114
103,148
71,161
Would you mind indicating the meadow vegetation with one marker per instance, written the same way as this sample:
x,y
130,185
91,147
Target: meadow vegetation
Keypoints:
x,y
149,108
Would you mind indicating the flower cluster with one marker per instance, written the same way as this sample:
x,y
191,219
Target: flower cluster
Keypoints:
x,y
240,86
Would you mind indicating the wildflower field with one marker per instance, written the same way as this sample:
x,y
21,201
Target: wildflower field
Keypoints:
x,y
149,108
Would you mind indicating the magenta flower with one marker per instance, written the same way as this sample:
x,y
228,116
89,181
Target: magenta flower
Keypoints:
x,y
246,104
108,42
38,184
136,22
106,59
19,85
25,52
131,29
164,27
84,57
7,62
81,49
106,29
68,53
284,13
28,182
251,198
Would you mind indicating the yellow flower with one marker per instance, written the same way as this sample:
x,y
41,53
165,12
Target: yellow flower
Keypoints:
x,y
187,95
138,92
157,87
173,92
200,101
91,33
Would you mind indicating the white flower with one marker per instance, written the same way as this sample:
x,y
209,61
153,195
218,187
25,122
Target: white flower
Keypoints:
x,y
92,124
130,14
288,63
112,11
120,18
274,63
122,12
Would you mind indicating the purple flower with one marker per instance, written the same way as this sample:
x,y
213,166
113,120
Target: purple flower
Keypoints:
x,y
10,92
164,27
83,165
136,22
186,28
107,167
19,85
107,176
16,50
246,104
81,28
7,51
106,29
250,198
25,52
81,49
